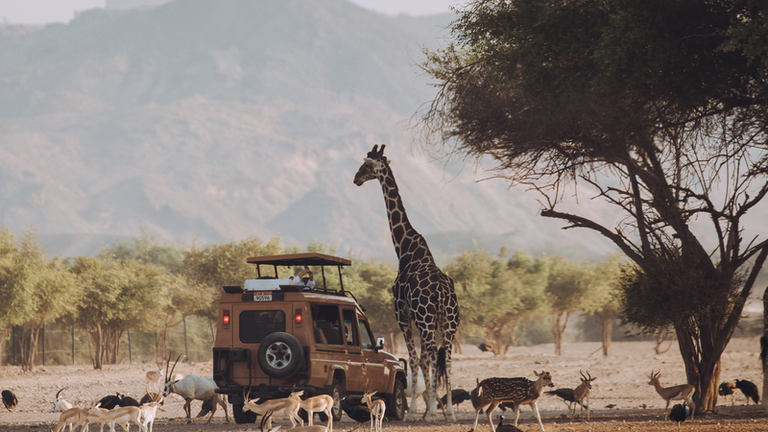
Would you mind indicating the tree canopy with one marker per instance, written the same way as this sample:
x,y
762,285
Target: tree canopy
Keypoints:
x,y
659,106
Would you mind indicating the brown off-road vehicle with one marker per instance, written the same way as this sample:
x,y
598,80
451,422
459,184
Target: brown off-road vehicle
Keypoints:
x,y
276,336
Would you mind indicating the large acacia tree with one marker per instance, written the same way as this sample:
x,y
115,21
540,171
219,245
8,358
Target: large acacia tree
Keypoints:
x,y
659,106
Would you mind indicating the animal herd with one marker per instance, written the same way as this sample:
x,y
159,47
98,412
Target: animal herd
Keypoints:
x,y
490,393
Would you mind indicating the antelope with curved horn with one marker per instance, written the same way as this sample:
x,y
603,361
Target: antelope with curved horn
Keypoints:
x,y
193,387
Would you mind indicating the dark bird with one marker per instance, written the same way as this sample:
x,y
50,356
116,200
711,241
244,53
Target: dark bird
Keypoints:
x,y
356,409
457,396
484,347
727,389
749,389
128,401
506,427
611,406
109,402
9,400
567,395
117,400
679,413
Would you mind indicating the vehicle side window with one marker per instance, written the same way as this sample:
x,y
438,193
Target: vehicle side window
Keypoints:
x,y
326,324
349,327
256,325
366,335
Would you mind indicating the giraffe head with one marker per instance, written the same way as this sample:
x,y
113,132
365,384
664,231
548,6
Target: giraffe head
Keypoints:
x,y
372,167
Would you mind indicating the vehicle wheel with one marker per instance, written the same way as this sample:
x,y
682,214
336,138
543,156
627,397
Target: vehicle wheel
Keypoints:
x,y
396,402
280,355
337,396
243,417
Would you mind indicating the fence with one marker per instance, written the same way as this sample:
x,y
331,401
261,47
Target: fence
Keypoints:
x,y
69,345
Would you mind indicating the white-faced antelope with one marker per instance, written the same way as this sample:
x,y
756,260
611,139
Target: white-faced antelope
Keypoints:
x,y
59,404
678,392
520,391
193,387
581,394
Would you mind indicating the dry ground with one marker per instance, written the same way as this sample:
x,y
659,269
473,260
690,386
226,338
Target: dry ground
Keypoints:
x,y
621,381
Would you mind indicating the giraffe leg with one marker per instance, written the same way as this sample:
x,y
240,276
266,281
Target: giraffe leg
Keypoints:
x,y
410,344
450,415
429,365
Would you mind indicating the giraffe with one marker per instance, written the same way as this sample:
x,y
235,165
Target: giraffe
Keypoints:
x,y
423,294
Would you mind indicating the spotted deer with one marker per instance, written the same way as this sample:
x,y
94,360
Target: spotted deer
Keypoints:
x,y
520,391
678,392
581,394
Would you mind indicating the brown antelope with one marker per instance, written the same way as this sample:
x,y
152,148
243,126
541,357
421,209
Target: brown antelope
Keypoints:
x,y
72,417
581,394
319,403
120,415
377,408
91,417
521,391
678,392
285,407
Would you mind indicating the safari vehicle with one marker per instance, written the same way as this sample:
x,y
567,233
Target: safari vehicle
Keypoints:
x,y
275,337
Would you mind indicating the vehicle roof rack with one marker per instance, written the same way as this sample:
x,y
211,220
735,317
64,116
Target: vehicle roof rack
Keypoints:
x,y
300,259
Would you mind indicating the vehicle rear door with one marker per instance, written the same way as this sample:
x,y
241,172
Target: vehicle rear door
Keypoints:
x,y
251,325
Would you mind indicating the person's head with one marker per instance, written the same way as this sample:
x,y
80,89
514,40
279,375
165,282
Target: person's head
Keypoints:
x,y
305,280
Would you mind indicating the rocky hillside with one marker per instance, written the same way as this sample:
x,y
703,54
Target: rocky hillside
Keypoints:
x,y
222,120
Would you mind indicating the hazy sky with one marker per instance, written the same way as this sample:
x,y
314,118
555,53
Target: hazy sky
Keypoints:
x,y
46,11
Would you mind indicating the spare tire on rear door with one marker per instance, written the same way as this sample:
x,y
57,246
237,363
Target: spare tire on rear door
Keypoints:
x,y
280,355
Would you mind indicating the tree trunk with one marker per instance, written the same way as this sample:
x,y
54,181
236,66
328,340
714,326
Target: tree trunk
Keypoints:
x,y
558,330
702,367
29,347
97,335
606,332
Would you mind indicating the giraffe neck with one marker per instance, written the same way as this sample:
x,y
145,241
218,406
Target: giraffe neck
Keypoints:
x,y
409,244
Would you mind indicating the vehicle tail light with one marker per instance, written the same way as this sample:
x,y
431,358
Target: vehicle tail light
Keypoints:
x,y
297,318
225,319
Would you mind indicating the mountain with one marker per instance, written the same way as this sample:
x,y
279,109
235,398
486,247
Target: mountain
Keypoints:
x,y
207,121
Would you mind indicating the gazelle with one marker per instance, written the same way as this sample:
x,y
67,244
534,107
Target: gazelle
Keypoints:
x,y
377,408
581,394
678,392
319,403
91,417
72,417
521,391
120,415
285,407
266,427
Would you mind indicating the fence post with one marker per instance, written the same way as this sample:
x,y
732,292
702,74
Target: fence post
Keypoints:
x,y
43,344
186,344
73,344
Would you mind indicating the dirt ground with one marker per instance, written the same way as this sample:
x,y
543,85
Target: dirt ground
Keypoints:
x,y
621,385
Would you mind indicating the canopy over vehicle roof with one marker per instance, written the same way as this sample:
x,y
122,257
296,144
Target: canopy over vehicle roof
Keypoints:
x,y
301,259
